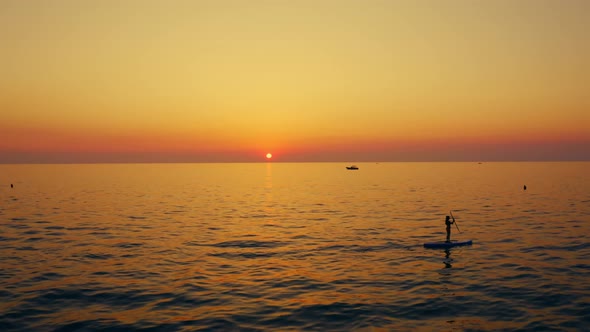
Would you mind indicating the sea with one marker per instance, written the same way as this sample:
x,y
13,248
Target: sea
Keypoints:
x,y
294,247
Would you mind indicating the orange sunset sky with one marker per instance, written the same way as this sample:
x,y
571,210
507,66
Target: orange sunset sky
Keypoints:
x,y
307,80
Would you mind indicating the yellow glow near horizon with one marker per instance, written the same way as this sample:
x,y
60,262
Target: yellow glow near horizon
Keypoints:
x,y
268,156
218,80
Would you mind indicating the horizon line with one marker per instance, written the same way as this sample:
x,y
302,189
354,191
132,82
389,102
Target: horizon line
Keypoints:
x,y
296,162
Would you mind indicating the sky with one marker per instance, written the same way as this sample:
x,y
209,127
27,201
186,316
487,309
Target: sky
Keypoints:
x,y
306,80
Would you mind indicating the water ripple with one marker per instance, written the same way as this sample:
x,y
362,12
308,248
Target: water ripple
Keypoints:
x,y
284,247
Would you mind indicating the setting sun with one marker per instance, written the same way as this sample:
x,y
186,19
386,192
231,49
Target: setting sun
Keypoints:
x,y
354,80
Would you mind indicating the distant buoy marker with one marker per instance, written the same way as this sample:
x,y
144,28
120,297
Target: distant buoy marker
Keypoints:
x,y
11,186
524,188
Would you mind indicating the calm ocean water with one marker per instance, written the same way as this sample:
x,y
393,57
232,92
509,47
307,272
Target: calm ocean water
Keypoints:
x,y
290,247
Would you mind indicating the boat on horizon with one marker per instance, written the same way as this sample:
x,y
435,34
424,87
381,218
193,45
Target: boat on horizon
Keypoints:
x,y
352,167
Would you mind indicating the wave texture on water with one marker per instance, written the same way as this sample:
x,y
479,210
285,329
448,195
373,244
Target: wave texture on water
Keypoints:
x,y
294,247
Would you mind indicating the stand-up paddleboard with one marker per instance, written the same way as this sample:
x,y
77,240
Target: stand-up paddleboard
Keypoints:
x,y
444,244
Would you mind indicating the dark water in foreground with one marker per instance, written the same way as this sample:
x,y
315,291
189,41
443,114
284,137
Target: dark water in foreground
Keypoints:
x,y
249,247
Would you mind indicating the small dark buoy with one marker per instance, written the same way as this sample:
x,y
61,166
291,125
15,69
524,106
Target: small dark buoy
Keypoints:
x,y
11,186
524,187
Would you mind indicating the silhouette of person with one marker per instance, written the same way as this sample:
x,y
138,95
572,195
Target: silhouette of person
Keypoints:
x,y
448,222
524,187
11,186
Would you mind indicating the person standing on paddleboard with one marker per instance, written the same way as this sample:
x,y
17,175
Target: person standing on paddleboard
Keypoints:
x,y
448,222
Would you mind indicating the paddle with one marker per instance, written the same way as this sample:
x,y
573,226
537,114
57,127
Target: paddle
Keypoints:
x,y
454,221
